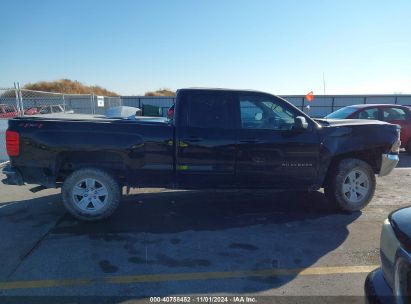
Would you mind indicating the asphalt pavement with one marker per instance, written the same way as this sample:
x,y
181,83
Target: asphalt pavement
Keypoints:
x,y
165,243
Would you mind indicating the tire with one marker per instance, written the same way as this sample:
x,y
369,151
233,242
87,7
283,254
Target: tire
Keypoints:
x,y
408,147
91,194
351,185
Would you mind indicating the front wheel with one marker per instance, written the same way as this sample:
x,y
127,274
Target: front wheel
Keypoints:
x,y
91,194
351,185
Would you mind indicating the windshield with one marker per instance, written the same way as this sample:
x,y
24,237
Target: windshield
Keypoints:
x,y
342,113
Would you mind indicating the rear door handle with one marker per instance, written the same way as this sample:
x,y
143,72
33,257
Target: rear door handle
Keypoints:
x,y
249,141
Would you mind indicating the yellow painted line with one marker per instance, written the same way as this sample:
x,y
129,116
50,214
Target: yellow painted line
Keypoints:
x,y
190,276
44,283
240,274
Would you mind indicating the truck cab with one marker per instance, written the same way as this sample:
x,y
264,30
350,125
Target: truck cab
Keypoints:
x,y
243,139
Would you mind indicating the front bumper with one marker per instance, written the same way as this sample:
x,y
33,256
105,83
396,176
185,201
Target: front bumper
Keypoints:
x,y
388,163
13,177
376,288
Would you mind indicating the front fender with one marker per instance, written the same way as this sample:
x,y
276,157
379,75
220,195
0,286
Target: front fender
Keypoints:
x,y
365,142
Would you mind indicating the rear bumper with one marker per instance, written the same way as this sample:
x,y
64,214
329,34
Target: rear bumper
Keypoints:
x,y
388,163
376,288
13,176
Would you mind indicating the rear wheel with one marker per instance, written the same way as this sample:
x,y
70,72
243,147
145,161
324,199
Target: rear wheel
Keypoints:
x,y
352,185
91,194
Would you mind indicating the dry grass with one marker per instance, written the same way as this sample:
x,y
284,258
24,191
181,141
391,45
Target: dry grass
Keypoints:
x,y
68,86
161,92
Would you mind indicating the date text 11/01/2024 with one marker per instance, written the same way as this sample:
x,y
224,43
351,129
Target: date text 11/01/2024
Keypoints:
x,y
204,299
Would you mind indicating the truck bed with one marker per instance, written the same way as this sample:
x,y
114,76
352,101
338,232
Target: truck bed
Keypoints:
x,y
88,117
137,148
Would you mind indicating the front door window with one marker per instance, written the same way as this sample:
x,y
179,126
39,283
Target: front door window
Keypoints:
x,y
265,113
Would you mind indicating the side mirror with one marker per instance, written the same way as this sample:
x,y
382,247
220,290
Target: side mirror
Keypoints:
x,y
300,123
258,116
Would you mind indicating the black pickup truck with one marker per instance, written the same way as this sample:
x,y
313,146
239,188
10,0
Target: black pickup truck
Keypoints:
x,y
215,139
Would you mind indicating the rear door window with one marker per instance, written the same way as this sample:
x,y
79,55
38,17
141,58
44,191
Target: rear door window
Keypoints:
x,y
390,114
370,113
210,110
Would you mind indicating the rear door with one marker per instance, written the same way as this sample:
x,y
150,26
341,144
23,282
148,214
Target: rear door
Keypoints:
x,y
205,139
271,153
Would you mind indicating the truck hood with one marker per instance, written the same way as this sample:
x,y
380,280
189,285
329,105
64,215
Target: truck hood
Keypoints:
x,y
401,223
348,122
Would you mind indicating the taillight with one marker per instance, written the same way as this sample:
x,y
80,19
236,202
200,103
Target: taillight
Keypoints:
x,y
12,143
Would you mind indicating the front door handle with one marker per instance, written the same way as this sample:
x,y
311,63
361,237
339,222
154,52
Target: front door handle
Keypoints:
x,y
194,139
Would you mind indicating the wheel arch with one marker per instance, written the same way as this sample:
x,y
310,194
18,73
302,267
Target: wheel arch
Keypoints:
x,y
110,162
371,156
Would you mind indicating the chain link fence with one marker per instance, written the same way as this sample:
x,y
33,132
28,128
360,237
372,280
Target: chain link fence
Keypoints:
x,y
150,105
21,102
16,102
319,107
36,102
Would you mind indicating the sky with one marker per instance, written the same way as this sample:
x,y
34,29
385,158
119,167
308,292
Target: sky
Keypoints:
x,y
281,47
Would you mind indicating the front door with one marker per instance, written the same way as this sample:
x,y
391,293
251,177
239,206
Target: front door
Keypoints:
x,y
271,152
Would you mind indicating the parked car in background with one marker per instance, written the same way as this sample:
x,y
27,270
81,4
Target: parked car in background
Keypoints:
x,y
392,282
8,111
395,114
31,111
47,109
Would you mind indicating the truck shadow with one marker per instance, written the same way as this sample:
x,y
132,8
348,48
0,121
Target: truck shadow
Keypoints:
x,y
212,210
218,231
166,232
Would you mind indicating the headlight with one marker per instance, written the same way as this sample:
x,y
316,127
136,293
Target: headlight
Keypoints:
x,y
389,242
401,280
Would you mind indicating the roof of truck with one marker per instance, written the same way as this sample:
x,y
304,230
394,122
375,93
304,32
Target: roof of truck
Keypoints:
x,y
220,89
369,105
